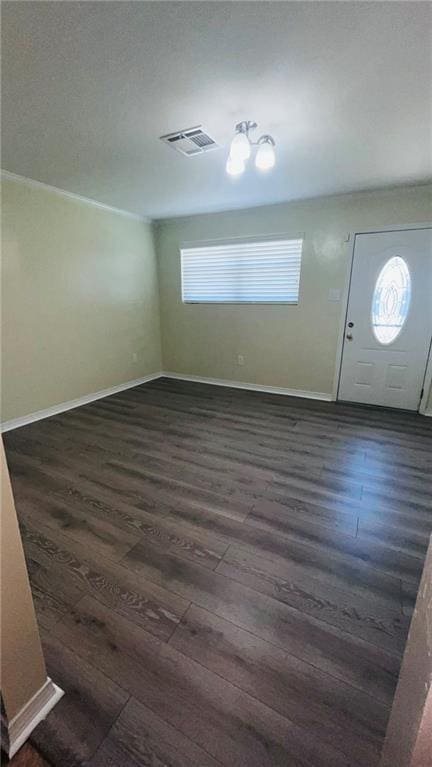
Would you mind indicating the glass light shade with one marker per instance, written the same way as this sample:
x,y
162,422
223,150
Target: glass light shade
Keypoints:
x,y
265,156
234,166
240,147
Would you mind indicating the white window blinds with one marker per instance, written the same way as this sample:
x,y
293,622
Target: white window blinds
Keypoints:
x,y
256,271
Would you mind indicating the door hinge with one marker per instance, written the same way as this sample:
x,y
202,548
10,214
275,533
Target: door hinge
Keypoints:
x,y
421,393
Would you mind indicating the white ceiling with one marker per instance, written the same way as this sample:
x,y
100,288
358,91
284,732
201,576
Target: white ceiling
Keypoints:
x,y
88,87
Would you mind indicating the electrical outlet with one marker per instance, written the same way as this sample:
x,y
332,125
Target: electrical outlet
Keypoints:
x,y
240,359
134,357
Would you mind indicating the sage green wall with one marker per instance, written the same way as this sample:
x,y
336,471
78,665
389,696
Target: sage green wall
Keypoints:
x,y
287,346
80,297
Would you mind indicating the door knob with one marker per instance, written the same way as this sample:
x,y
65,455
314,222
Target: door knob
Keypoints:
x,y
349,336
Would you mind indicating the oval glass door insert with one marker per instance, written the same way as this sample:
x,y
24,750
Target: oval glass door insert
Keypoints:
x,y
391,300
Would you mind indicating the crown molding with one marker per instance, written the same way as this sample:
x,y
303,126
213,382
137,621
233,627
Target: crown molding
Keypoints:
x,y
7,175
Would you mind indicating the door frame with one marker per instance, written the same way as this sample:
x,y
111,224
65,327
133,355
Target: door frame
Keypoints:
x,y
344,311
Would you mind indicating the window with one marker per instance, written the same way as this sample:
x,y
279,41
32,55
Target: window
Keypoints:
x,y
249,271
391,300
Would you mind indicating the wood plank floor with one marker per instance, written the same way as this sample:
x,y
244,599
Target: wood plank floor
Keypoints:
x,y
222,577
27,756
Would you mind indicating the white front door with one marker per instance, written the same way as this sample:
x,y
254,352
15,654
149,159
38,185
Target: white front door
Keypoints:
x,y
389,319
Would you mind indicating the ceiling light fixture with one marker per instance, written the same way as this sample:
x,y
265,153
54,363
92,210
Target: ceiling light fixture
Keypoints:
x,y
235,166
265,157
241,148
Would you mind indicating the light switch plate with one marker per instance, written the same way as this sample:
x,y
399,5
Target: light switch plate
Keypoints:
x,y
334,294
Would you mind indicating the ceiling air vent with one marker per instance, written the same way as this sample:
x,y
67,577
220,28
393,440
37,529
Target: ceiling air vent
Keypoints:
x,y
191,141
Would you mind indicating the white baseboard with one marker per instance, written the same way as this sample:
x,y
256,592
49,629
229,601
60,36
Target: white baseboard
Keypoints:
x,y
15,423
63,406
324,396
17,731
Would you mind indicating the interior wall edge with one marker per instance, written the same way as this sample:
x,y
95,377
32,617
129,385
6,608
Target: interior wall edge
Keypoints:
x,y
304,393
31,182
35,711
15,423
294,347
300,202
80,299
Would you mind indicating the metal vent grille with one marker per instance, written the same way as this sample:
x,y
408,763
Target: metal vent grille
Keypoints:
x,y
191,141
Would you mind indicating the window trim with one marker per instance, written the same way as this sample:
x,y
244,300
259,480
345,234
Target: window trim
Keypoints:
x,y
190,244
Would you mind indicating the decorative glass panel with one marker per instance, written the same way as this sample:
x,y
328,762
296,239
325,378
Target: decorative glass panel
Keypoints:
x,y
391,300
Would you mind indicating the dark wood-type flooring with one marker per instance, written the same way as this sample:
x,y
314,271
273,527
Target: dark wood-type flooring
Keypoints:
x,y
222,577
27,756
